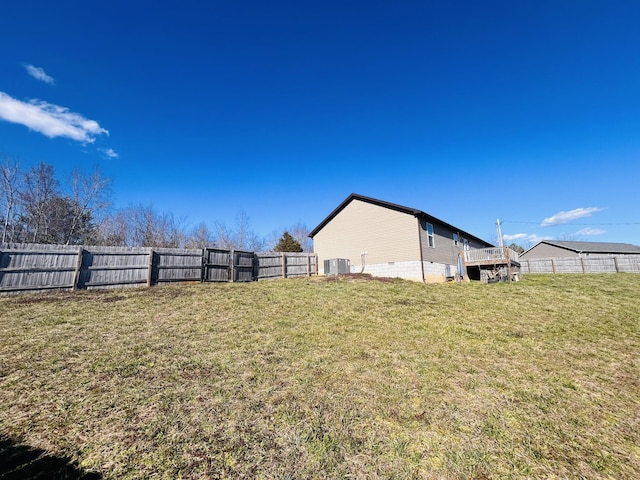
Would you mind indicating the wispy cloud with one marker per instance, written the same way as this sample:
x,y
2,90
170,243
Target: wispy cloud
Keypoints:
x,y
517,236
110,152
566,217
49,119
524,238
591,231
39,74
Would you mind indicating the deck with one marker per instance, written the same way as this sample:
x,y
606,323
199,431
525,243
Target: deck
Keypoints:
x,y
492,256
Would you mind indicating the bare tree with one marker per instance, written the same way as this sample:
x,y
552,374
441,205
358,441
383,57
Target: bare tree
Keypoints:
x,y
568,237
40,187
113,230
239,238
224,237
300,233
10,182
142,226
246,238
65,225
200,237
243,233
90,196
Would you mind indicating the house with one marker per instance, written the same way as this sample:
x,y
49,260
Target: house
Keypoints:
x,y
563,249
389,240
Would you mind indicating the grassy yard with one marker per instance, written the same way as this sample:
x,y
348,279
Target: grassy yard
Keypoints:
x,y
312,378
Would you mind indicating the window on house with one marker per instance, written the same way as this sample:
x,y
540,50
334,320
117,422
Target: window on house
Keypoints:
x,y
432,242
466,245
455,239
429,229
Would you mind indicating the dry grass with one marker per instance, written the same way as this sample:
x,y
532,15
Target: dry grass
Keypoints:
x,y
331,379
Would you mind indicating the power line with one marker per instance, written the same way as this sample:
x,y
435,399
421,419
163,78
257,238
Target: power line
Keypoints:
x,y
571,223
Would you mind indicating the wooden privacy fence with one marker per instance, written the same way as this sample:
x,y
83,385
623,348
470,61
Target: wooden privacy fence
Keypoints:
x,y
614,264
25,267
228,265
280,265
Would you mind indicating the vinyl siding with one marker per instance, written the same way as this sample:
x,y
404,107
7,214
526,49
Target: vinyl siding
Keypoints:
x,y
386,235
444,250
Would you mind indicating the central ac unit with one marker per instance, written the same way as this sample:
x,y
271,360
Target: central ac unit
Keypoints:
x,y
337,266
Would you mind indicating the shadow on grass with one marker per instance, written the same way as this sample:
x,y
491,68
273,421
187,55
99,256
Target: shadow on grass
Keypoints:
x,y
27,463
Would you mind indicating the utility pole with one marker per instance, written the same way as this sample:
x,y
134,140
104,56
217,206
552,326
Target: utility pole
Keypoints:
x,y
500,241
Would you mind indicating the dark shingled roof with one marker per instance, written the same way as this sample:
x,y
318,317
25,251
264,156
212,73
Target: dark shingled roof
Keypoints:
x,y
392,206
594,247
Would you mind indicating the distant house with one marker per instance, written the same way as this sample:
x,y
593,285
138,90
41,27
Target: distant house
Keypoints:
x,y
563,249
389,240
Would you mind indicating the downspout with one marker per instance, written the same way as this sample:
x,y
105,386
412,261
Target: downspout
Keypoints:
x,y
420,247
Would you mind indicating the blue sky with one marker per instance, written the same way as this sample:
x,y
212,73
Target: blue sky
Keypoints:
x,y
471,111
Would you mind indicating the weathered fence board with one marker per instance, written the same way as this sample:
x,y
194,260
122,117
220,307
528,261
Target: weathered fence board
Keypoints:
x,y
243,266
177,265
114,266
34,267
628,264
610,264
298,264
270,265
286,265
39,267
217,265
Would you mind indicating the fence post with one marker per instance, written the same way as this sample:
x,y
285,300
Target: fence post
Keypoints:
x,y
150,268
284,265
615,263
76,273
203,268
232,270
308,264
255,276
584,269
553,266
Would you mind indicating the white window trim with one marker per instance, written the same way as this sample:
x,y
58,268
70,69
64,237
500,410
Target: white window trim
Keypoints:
x,y
431,238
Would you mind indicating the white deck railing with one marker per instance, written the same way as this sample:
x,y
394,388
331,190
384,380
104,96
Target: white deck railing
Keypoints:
x,y
495,253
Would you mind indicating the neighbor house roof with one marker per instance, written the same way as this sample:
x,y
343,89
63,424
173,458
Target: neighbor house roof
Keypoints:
x,y
392,206
592,247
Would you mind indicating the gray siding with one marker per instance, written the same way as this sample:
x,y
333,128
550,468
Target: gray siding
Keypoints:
x,y
444,250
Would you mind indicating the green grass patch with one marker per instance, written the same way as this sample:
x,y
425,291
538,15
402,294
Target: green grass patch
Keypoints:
x,y
349,378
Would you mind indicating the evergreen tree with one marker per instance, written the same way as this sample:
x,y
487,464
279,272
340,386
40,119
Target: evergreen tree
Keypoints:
x,y
287,244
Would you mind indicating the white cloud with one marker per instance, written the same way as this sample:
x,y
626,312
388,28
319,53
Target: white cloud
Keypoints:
x,y
524,238
109,152
39,74
566,217
49,119
591,231
517,236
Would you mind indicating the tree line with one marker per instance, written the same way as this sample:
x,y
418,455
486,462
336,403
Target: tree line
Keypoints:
x,y
37,207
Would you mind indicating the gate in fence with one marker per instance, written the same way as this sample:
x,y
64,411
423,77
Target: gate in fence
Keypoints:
x,y
228,265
